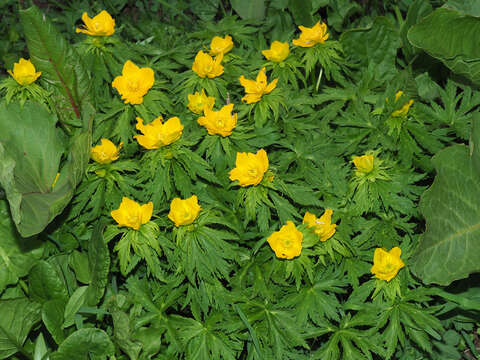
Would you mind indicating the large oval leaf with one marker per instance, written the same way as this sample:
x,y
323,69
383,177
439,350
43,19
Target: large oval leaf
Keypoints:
x,y
450,246
451,37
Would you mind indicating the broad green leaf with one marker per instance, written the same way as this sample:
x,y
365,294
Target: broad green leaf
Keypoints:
x,y
469,7
450,36
85,342
79,264
99,265
301,12
16,257
206,10
60,66
122,331
74,303
450,246
30,151
41,348
17,316
52,317
374,46
249,9
45,283
417,10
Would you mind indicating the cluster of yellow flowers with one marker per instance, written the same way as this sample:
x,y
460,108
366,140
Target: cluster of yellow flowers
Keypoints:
x,y
250,168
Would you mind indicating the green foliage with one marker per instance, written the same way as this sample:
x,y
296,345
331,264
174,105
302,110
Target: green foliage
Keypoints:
x,y
18,316
76,284
441,256
454,48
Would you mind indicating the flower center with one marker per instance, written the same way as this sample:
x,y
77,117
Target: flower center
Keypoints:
x,y
97,26
133,219
133,85
220,123
287,243
252,172
208,68
389,267
186,215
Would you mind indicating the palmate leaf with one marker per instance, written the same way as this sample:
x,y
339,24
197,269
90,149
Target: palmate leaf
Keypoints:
x,y
317,301
350,340
449,247
276,328
211,339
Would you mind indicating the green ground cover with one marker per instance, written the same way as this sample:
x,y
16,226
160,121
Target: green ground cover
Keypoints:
x,y
255,179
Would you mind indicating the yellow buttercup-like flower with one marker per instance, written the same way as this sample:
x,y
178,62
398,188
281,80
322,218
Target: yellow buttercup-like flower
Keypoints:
x,y
221,45
134,83
312,36
386,264
403,111
158,134
250,168
286,243
205,66
220,122
322,226
199,101
278,51
105,153
255,89
24,72
364,163
184,212
132,214
55,180
101,25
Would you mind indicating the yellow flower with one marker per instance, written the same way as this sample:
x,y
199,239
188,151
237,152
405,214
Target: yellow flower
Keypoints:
x,y
250,168
134,83
55,180
386,264
403,111
184,212
322,226
199,101
106,152
101,25
219,122
286,243
364,163
312,36
255,89
278,51
204,65
132,214
158,134
24,72
221,45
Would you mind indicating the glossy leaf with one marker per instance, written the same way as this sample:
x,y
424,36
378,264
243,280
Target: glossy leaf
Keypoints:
x,y
99,265
17,316
374,46
16,257
60,66
249,9
85,342
450,36
449,248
